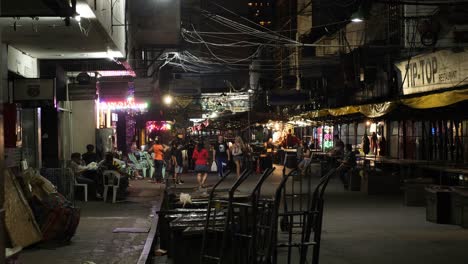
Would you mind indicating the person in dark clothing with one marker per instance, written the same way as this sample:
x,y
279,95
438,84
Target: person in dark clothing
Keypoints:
x,y
109,163
177,161
90,155
190,148
221,155
348,162
84,175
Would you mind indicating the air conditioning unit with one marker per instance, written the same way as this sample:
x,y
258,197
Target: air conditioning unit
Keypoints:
x,y
34,92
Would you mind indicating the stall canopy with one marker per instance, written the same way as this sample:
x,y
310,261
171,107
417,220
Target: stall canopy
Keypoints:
x,y
381,109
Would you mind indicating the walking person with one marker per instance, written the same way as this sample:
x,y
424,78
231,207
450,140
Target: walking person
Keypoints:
x,y
158,150
221,155
200,156
176,160
238,149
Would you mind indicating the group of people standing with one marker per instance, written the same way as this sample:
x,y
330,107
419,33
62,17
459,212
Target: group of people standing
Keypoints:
x,y
199,158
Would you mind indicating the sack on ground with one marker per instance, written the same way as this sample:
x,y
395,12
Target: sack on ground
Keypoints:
x,y
57,218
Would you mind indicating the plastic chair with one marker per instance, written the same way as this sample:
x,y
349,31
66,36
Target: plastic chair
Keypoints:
x,y
111,179
150,162
138,165
85,188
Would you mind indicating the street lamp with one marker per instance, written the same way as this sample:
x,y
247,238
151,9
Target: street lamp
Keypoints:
x,y
167,99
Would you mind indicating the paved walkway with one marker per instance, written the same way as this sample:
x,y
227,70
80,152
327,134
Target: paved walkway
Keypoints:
x,y
95,241
361,229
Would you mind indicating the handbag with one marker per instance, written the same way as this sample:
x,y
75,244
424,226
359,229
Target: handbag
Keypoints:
x,y
214,167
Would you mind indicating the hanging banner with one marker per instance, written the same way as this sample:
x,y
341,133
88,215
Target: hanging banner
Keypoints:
x,y
434,71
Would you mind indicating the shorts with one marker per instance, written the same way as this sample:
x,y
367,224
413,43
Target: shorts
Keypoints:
x,y
179,169
201,168
239,158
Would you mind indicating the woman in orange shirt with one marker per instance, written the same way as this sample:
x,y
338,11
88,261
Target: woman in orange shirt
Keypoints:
x,y
158,150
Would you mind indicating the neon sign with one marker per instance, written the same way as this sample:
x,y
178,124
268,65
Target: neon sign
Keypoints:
x,y
129,104
152,126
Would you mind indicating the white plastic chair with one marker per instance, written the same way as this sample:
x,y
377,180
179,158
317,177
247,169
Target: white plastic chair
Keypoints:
x,y
111,179
85,188
138,165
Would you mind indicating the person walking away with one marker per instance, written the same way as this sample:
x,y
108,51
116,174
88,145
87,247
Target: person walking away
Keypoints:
x,y
200,156
158,150
90,155
176,160
221,155
238,154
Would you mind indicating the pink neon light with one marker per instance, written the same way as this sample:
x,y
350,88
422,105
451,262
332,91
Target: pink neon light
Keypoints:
x,y
122,105
152,126
117,73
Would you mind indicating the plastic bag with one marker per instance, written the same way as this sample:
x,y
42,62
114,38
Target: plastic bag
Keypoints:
x,y
163,171
214,167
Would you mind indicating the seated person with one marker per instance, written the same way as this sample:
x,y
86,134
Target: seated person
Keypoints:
x,y
90,155
83,174
338,149
111,163
305,160
348,162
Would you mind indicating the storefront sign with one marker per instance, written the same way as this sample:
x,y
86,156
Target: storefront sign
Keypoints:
x,y
434,71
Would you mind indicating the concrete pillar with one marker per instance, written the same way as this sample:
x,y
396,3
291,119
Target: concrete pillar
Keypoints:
x,y
3,99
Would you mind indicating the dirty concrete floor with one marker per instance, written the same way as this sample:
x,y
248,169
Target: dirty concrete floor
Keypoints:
x,y
94,240
360,228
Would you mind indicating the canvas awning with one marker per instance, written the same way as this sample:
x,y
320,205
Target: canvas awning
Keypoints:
x,y
381,109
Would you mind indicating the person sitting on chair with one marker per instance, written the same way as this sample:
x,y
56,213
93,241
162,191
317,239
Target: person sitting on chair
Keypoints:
x,y
83,175
348,162
90,155
109,163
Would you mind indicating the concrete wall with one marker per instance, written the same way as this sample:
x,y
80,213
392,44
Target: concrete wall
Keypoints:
x,y
83,127
102,10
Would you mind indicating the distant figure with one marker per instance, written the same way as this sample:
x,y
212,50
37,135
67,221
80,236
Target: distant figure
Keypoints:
x,y
200,156
238,149
158,150
90,155
365,144
176,160
221,155
382,146
348,162
373,143
338,149
291,140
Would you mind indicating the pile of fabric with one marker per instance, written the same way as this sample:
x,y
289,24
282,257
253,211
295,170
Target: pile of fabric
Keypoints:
x,y
35,211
